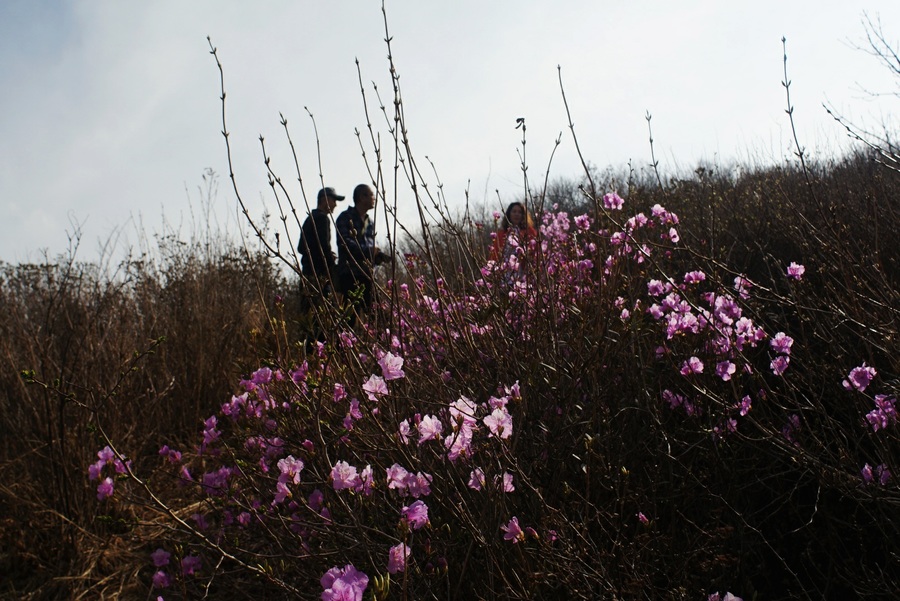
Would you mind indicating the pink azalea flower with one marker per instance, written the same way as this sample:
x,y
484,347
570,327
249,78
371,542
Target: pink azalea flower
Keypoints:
x,y
694,277
795,271
190,564
781,343
460,442
692,366
673,235
745,405
366,483
742,285
419,485
396,477
512,531
505,483
725,369
613,201
397,557
106,455
476,479
344,475
339,393
343,584
462,411
160,558
347,339
859,377
403,431
780,364
884,414
391,367
429,428
657,288
866,473
499,422
416,514
105,489
374,387
161,580
290,469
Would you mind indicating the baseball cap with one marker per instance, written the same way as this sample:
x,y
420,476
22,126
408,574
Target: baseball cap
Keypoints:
x,y
329,193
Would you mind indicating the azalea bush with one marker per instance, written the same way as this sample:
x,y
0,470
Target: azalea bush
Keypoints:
x,y
579,420
645,399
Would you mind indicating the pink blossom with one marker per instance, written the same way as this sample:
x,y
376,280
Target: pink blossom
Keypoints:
x,y
105,489
347,339
397,557
391,367
859,377
781,343
476,479
416,514
642,518
290,469
512,531
613,201
884,413
429,428
344,475
459,442
343,584
780,364
866,473
160,558
745,405
725,369
366,483
462,411
403,431
795,271
339,393
396,477
692,366
499,422
742,285
505,482
582,222
375,386
106,454
419,485
673,235
657,288
694,277
190,564
95,469
161,580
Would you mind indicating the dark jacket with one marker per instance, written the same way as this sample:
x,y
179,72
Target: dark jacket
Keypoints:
x,y
356,244
317,258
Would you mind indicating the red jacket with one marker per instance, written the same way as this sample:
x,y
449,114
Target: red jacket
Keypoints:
x,y
499,244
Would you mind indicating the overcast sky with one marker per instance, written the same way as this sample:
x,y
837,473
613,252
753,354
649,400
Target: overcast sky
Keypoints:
x,y
110,110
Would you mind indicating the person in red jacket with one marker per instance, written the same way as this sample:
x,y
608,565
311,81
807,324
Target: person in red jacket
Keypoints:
x,y
517,223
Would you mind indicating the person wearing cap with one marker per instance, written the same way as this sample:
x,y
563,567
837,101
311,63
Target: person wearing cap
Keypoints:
x,y
357,253
317,259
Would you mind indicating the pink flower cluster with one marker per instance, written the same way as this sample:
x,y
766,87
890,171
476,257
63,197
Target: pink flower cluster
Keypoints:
x,y
343,584
884,414
859,378
106,457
